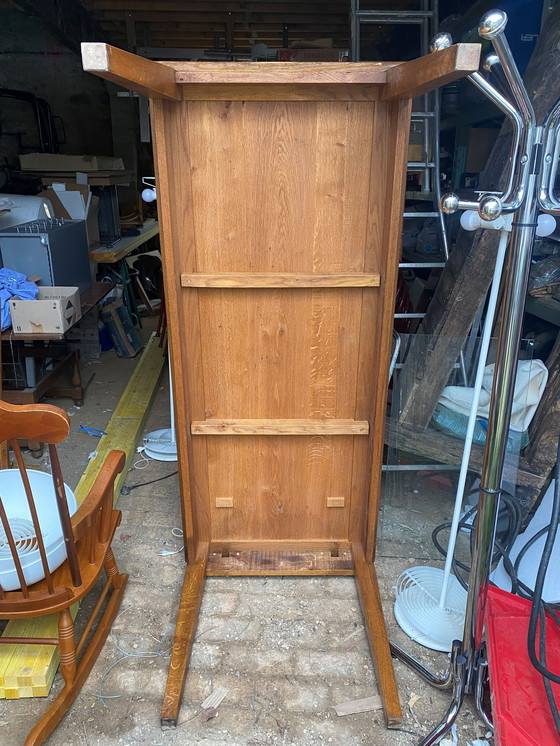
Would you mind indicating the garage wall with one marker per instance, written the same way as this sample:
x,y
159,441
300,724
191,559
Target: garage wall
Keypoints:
x,y
32,60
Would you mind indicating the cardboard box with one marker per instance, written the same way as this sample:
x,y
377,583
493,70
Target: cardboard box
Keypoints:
x,y
54,311
58,162
76,202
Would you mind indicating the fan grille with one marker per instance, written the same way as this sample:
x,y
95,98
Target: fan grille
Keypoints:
x,y
24,535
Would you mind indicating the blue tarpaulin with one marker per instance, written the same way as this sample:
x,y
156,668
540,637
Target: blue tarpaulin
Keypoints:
x,y
12,284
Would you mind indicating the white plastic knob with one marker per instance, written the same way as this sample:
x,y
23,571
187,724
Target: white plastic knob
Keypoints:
x,y
149,195
470,220
546,224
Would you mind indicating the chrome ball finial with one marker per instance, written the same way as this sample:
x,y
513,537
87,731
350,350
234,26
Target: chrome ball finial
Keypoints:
x,y
489,208
449,203
492,24
489,61
440,41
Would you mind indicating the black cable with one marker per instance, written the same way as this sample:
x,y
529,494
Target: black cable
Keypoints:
x,y
127,490
538,607
510,507
547,685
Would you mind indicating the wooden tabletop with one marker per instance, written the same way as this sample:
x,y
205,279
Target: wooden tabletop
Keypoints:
x,y
88,299
125,246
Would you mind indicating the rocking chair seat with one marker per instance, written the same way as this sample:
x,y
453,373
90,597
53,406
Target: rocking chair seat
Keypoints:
x,y
88,534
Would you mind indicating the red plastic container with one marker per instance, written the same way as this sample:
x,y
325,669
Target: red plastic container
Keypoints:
x,y
519,705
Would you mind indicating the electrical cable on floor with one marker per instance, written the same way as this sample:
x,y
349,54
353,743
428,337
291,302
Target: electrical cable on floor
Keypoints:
x,y
127,490
502,546
125,654
540,609
177,532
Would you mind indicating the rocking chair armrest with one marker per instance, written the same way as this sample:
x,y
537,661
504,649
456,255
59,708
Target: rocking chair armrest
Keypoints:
x,y
100,491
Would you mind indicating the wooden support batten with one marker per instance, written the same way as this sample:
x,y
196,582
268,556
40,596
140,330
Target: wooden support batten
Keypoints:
x,y
280,427
279,280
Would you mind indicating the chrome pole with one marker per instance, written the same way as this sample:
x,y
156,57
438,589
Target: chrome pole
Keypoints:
x,y
509,340
524,190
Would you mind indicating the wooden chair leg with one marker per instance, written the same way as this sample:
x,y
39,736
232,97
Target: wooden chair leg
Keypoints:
x,y
110,566
67,646
370,600
59,707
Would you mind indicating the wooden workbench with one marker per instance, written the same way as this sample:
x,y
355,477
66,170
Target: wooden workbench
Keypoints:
x,y
126,245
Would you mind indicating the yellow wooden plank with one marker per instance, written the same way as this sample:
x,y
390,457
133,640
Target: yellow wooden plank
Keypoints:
x,y
128,418
28,670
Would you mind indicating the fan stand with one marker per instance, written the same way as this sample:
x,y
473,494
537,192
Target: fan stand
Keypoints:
x,y
161,444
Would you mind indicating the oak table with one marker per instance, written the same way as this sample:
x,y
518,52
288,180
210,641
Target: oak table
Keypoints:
x,y
280,195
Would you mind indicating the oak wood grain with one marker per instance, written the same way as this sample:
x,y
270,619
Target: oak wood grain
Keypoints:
x,y
191,597
281,92
280,73
141,75
280,427
370,601
423,74
169,125
279,280
395,121
267,173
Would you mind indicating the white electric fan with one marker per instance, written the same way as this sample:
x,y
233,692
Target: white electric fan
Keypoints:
x,y
430,603
161,444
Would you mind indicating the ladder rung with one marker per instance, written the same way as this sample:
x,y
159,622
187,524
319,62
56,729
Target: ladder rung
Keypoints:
x,y
420,467
421,114
396,21
421,265
420,164
400,366
392,14
409,315
420,214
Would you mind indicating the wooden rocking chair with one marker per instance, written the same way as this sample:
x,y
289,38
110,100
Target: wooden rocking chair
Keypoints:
x,y
87,536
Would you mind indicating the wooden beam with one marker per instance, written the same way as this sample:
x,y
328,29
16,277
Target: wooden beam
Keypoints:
x,y
189,605
148,78
67,20
423,74
467,275
370,600
441,448
279,280
280,427
280,92
292,73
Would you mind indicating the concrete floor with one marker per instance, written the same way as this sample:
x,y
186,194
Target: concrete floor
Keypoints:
x,y
287,649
